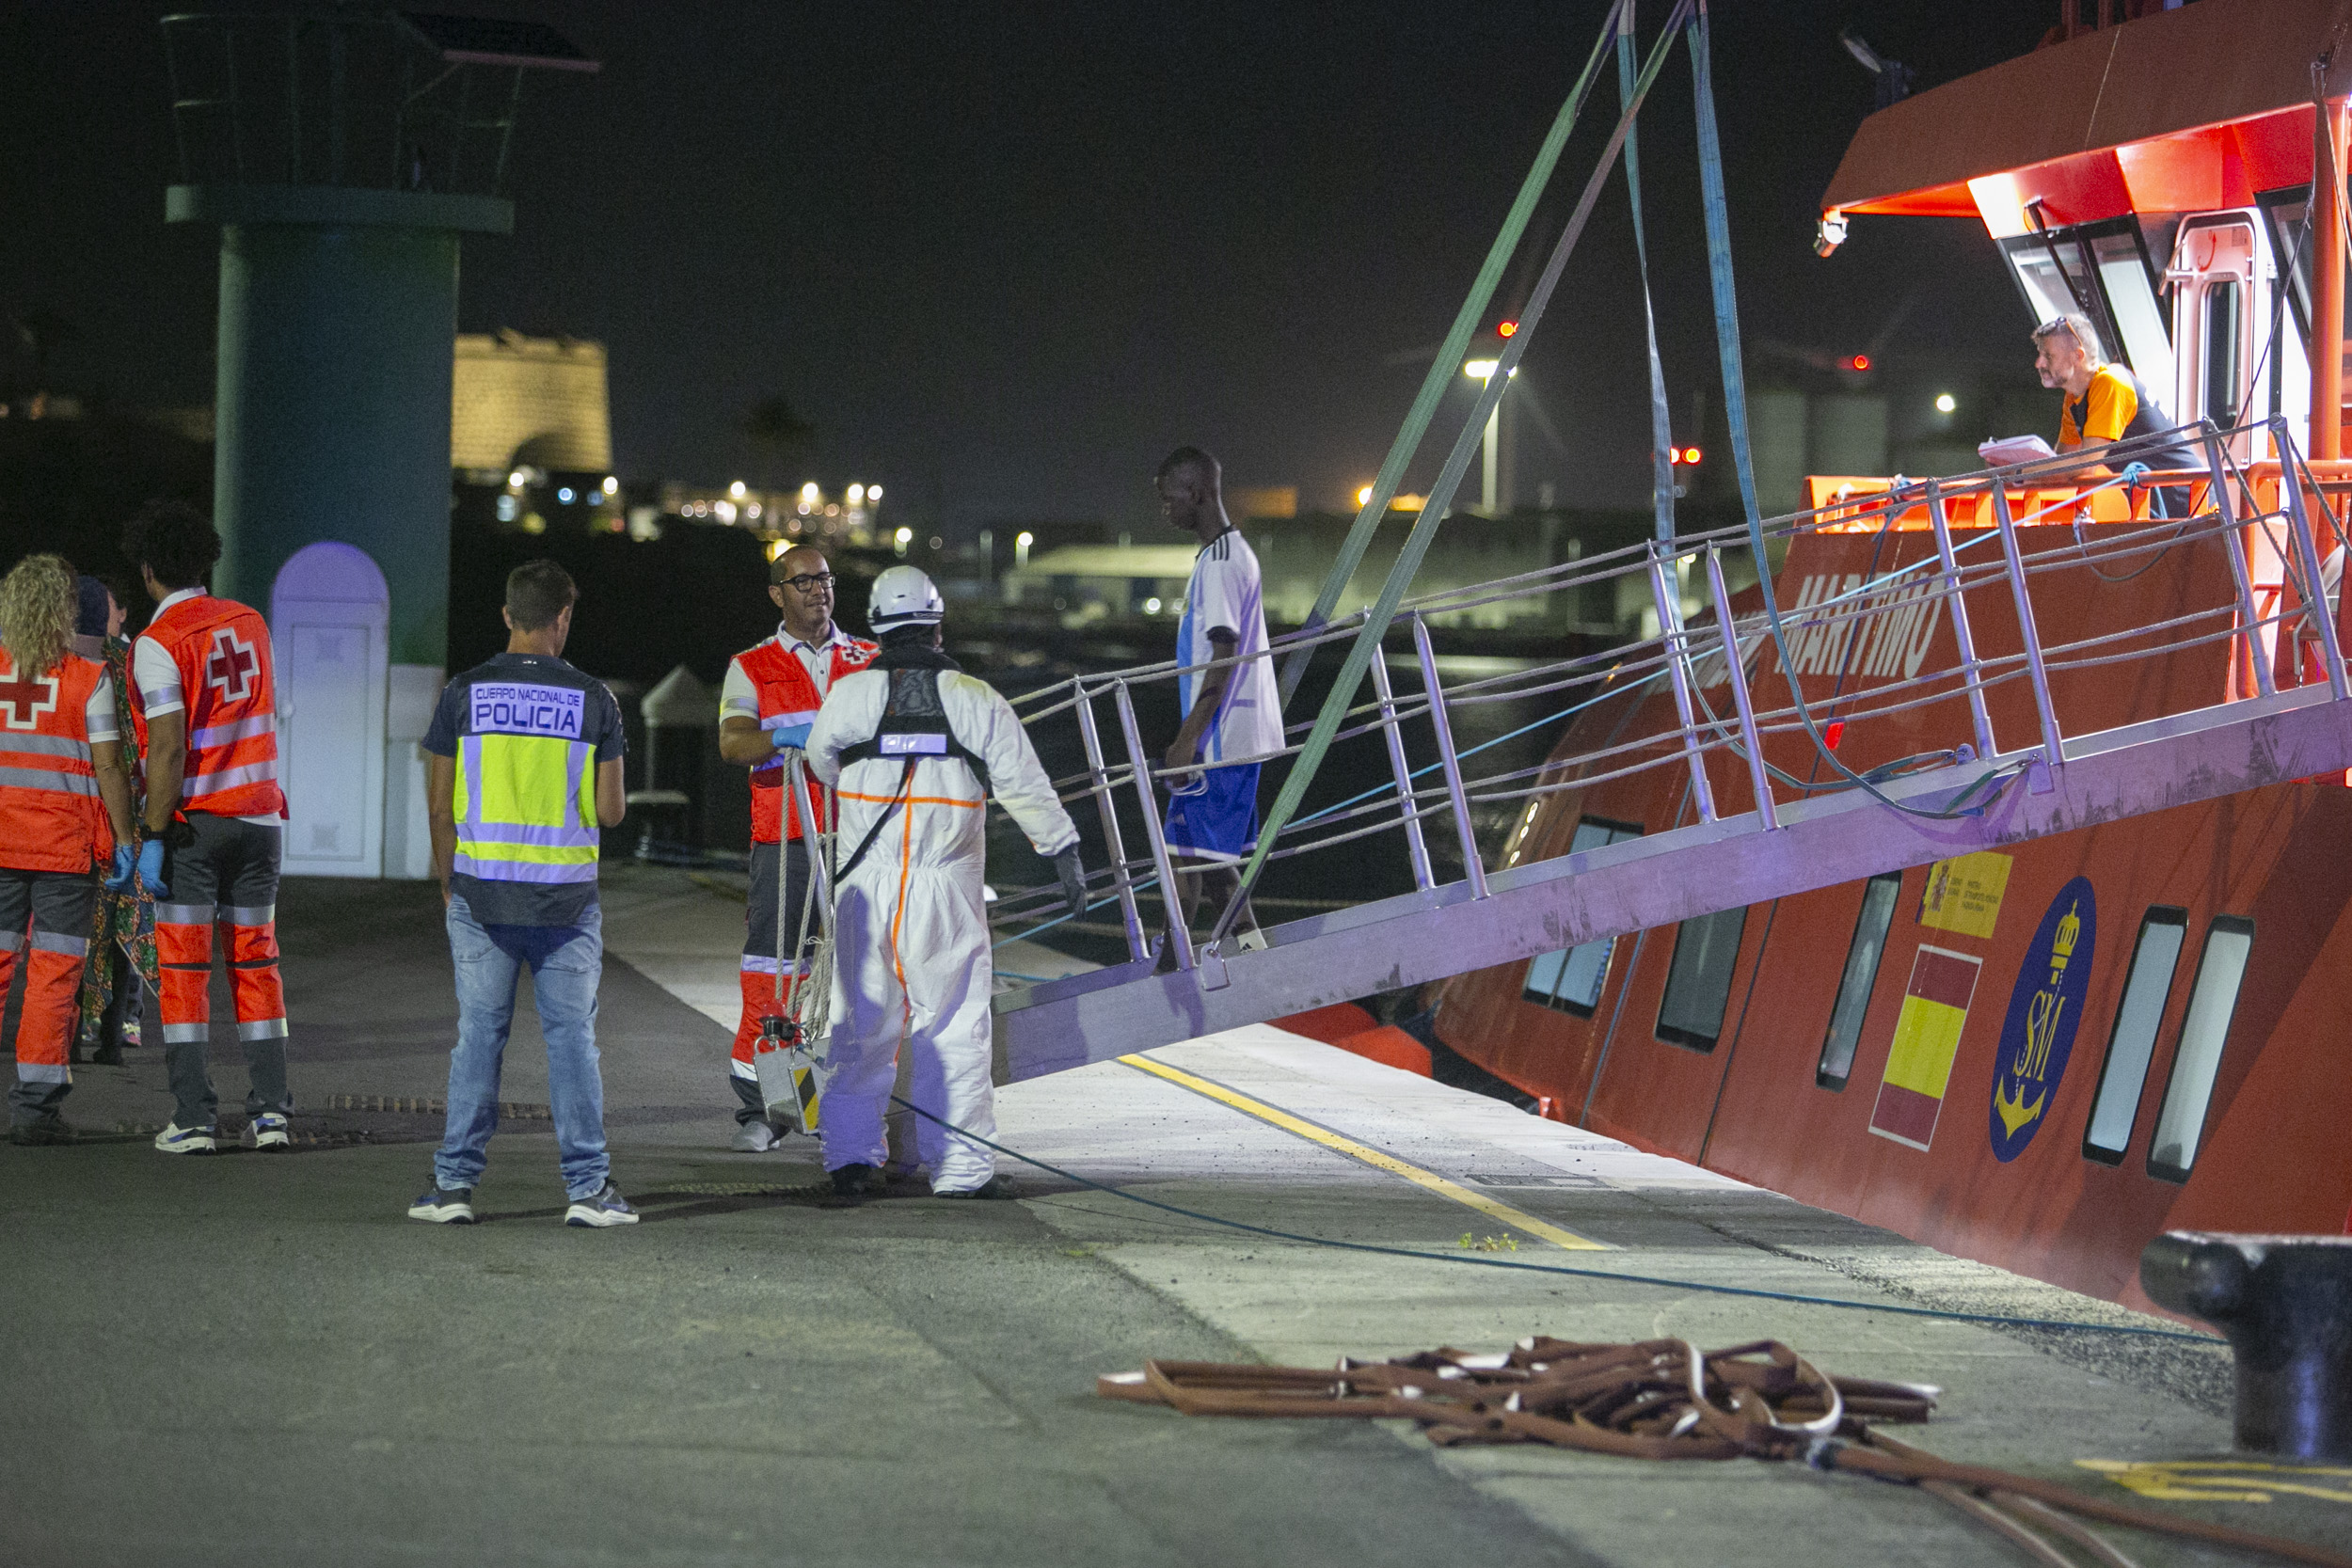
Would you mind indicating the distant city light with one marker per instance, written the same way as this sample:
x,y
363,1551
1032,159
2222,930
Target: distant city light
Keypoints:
x,y
873,492
509,509
723,511
564,495
904,537
937,543
611,486
515,481
1682,455
1021,543
810,494
1363,495
1505,329
1151,607
752,511
534,524
737,489
1482,369
1859,362
857,494
1945,402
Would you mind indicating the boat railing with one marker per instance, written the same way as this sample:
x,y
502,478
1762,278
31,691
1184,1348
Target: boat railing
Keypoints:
x,y
2020,561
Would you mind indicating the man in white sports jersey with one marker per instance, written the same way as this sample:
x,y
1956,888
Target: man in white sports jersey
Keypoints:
x,y
1231,707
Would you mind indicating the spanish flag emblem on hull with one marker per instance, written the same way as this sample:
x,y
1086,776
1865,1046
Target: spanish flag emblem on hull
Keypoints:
x,y
1926,1037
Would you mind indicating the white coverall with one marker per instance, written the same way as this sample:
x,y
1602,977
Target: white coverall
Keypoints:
x,y
911,963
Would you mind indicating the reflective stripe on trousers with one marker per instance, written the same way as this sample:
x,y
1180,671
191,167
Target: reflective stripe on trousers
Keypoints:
x,y
44,918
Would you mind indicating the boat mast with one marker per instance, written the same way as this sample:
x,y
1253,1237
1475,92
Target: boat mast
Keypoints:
x,y
2327,344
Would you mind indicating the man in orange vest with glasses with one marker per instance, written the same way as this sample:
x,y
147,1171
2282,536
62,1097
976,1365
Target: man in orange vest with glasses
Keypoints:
x,y
766,705
204,700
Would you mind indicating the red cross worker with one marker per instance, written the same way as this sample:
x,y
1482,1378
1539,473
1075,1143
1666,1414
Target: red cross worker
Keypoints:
x,y
769,700
65,801
205,703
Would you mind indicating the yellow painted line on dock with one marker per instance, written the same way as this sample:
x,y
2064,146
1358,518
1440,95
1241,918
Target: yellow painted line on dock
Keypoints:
x,y
1515,1218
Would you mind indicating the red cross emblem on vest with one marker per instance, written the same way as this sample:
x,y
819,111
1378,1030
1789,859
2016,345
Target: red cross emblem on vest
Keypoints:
x,y
23,701
230,667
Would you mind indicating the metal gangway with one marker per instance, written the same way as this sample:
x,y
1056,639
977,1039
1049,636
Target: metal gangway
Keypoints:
x,y
2010,562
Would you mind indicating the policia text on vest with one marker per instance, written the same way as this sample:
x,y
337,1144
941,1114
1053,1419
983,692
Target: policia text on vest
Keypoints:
x,y
525,771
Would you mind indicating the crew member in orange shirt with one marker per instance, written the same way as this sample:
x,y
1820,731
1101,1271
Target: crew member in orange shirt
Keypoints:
x,y
2104,403
205,705
766,705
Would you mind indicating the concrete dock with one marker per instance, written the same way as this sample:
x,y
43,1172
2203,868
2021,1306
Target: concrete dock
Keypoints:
x,y
259,1359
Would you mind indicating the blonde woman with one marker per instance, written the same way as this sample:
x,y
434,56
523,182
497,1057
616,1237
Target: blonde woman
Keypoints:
x,y
65,805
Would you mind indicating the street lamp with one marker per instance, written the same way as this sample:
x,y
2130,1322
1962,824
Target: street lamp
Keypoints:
x,y
1483,372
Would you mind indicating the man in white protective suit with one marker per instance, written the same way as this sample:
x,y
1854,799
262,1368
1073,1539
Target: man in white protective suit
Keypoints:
x,y
912,748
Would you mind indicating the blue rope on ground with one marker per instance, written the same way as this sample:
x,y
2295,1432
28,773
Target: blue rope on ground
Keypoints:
x,y
1995,1320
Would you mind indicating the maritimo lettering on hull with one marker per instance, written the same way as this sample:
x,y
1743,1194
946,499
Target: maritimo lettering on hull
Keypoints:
x,y
1834,628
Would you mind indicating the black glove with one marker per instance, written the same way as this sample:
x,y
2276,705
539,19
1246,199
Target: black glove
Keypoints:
x,y
1074,880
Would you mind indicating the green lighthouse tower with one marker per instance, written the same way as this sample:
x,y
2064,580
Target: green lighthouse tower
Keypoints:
x,y
343,150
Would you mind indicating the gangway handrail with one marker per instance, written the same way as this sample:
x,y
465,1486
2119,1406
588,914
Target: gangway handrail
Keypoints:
x,y
1845,622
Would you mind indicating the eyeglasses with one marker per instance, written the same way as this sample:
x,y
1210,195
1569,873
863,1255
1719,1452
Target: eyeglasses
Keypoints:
x,y
809,582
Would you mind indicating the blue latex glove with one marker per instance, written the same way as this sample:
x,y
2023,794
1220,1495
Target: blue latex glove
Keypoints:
x,y
792,737
126,867
152,869
2135,474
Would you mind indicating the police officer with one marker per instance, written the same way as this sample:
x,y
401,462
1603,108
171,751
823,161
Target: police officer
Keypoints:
x,y
914,747
205,708
525,768
65,806
766,705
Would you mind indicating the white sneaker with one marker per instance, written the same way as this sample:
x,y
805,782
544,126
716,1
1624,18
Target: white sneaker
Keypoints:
x,y
266,1131
600,1209
756,1137
176,1139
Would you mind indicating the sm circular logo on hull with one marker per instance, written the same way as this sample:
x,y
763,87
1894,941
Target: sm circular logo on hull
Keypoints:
x,y
2044,1010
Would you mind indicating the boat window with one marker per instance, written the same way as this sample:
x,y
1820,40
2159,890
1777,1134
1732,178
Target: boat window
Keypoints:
x,y
2101,269
1572,979
2291,249
2181,1125
2223,299
2048,291
1879,897
2163,932
2132,307
1698,982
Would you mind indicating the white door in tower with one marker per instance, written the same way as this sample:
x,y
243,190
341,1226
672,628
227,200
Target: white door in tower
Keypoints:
x,y
329,615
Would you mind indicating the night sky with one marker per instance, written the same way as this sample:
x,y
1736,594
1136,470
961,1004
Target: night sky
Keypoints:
x,y
1003,257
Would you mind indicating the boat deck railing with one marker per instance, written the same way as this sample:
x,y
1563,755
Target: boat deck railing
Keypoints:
x,y
1877,636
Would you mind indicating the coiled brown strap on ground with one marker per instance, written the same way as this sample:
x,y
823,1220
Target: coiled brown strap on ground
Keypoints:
x,y
1666,1399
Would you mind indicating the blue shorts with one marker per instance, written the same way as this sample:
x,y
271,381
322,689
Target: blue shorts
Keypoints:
x,y
1218,820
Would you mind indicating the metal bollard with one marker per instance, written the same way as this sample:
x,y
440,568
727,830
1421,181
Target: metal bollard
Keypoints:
x,y
2285,1303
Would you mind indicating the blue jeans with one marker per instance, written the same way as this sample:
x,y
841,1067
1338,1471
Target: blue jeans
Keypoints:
x,y
566,962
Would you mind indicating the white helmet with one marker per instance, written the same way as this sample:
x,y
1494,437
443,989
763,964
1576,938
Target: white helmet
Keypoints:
x,y
903,596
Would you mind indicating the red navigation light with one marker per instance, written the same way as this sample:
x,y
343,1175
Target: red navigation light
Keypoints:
x,y
1691,454
1833,731
1673,455
1504,329
1859,362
